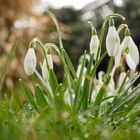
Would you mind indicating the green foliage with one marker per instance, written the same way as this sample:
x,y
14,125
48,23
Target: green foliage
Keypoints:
x,y
80,107
8,61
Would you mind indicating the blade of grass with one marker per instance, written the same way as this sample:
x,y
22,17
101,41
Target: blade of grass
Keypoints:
x,y
87,84
8,62
69,63
40,97
123,90
53,80
100,95
57,27
79,82
135,92
28,94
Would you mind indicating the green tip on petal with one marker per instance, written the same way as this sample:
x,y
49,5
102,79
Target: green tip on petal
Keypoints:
x,y
127,32
111,22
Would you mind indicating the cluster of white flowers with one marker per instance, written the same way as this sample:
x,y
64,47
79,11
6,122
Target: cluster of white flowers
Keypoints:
x,y
115,48
30,63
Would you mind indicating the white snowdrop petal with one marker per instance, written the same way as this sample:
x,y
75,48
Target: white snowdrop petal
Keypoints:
x,y
101,75
94,44
112,41
124,43
130,62
50,61
133,51
30,62
118,58
45,72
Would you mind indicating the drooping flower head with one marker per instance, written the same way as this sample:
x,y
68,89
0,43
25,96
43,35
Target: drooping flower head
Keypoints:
x,y
45,72
94,42
50,61
112,39
130,50
30,62
47,64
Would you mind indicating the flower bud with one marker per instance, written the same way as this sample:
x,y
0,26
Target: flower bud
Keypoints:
x,y
112,41
94,44
30,62
50,61
45,72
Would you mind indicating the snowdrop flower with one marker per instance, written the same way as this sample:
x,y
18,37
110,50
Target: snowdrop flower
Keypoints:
x,y
50,61
129,48
112,39
94,44
30,62
45,72
45,68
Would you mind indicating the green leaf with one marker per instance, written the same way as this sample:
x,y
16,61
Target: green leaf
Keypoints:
x,y
53,80
101,94
131,81
134,93
79,82
69,63
57,27
10,56
102,91
123,90
122,84
28,94
97,63
40,97
59,96
87,83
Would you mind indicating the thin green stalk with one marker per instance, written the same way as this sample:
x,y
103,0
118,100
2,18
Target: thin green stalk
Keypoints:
x,y
8,62
33,80
47,88
110,66
79,81
57,27
87,84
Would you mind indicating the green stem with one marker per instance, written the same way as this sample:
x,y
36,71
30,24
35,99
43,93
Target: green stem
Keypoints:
x,y
32,77
110,66
46,86
57,27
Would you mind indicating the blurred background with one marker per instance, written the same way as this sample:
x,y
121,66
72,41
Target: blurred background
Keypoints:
x,y
22,20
